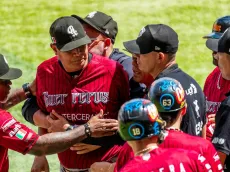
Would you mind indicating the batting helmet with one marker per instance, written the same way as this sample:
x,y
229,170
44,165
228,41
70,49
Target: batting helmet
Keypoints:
x,y
138,119
167,94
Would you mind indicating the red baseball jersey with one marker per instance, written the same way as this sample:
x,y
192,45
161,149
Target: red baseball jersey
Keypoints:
x,y
125,154
14,136
215,88
177,139
102,84
168,160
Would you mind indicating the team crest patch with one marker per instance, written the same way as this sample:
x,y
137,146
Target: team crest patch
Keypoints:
x,y
72,31
21,134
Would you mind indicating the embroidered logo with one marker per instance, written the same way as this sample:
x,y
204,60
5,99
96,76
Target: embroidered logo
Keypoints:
x,y
72,31
92,14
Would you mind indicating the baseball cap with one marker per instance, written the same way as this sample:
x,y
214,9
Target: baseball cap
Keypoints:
x,y
68,33
101,22
7,73
221,45
155,37
219,26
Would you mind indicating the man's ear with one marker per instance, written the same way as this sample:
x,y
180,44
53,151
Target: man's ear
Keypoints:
x,y
161,57
54,48
107,43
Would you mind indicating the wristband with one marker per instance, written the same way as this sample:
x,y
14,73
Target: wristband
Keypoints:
x,y
26,89
87,130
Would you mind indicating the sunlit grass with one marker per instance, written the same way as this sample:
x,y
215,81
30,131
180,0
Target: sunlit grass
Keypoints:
x,y
24,36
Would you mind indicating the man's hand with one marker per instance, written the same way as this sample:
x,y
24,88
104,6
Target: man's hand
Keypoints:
x,y
82,148
102,127
40,164
102,167
57,122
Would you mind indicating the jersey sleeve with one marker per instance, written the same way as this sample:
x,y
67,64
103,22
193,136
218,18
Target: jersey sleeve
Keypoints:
x,y
124,156
203,164
29,108
221,136
40,81
213,158
15,135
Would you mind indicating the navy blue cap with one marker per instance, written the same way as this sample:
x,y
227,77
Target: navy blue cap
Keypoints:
x,y
219,26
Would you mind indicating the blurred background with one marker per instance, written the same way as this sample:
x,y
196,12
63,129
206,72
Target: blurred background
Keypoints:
x,y
24,37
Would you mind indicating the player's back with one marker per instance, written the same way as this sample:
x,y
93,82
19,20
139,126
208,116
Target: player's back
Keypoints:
x,y
195,117
168,160
178,139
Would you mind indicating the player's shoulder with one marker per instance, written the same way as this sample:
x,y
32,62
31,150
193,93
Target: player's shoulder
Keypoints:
x,y
183,136
187,141
48,63
214,74
4,113
216,71
106,63
198,142
5,118
184,154
187,82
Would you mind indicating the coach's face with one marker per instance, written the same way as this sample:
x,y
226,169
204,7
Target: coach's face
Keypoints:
x,y
150,63
138,75
75,59
224,65
4,89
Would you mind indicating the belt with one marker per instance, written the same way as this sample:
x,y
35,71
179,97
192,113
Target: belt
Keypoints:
x,y
63,169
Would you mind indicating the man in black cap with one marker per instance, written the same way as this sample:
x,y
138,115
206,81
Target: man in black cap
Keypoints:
x,y
157,45
77,85
20,138
221,135
215,82
102,30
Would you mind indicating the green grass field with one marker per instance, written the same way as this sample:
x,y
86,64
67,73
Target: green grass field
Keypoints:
x,y
24,36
